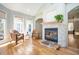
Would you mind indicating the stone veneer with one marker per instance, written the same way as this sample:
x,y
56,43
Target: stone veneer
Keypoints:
x,y
62,37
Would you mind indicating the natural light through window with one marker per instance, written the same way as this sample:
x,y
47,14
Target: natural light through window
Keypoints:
x,y
18,24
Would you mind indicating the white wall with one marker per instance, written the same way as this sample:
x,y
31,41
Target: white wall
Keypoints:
x,y
52,10
63,28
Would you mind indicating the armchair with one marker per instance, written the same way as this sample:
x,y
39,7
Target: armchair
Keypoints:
x,y
16,36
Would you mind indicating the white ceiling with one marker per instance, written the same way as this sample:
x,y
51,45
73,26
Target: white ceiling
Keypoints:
x,y
27,8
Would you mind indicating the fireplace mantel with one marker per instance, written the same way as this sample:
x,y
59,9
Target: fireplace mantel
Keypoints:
x,y
51,23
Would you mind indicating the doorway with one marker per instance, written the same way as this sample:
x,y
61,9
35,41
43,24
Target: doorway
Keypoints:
x,y
73,28
39,26
29,27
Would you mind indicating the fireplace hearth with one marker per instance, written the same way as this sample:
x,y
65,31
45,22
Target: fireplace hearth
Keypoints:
x,y
51,34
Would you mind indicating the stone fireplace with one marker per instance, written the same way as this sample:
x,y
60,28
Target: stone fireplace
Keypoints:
x,y
59,30
51,34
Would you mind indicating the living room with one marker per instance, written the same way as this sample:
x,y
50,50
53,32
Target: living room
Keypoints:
x,y
38,28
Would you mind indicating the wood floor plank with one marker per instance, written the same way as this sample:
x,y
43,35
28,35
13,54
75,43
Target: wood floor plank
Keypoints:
x,y
34,47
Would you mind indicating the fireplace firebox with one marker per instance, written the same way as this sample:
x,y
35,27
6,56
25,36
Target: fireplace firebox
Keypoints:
x,y
51,34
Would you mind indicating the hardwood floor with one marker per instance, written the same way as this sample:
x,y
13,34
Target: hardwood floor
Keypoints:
x,y
71,41
33,47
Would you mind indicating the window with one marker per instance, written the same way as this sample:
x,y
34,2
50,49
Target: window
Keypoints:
x,y
29,28
70,26
2,28
2,25
18,24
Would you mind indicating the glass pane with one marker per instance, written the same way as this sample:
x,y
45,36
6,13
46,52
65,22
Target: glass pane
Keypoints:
x,y
29,27
18,25
2,23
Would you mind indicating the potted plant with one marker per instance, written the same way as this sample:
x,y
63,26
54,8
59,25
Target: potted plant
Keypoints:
x,y
59,18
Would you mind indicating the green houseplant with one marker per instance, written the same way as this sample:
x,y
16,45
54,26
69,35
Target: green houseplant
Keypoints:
x,y
59,18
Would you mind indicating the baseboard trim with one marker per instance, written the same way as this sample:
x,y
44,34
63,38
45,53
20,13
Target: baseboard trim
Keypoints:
x,y
73,48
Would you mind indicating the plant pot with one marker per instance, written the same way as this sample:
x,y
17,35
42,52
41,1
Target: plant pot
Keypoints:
x,y
59,21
